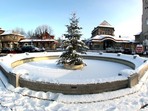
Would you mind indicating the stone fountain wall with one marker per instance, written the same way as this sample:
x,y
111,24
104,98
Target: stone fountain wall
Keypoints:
x,y
16,80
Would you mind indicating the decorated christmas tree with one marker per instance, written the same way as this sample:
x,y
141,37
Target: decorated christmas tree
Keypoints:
x,y
73,45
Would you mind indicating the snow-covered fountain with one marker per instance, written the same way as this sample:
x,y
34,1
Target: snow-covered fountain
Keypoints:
x,y
104,72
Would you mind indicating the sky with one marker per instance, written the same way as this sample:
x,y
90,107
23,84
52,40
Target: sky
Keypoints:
x,y
124,15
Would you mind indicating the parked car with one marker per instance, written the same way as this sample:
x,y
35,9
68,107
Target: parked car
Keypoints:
x,y
31,48
145,53
11,50
6,50
119,49
17,50
110,50
127,51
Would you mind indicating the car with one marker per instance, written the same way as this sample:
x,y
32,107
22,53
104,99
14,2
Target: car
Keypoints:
x,y
127,51
110,50
6,50
119,50
11,50
145,52
31,48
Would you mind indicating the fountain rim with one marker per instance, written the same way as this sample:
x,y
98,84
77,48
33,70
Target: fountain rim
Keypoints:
x,y
17,80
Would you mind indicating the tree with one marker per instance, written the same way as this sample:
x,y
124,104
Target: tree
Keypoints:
x,y
19,31
73,45
40,30
30,34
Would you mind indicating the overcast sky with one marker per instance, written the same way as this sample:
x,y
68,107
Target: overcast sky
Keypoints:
x,y
123,15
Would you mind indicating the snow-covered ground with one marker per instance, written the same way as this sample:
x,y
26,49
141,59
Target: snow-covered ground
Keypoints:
x,y
23,99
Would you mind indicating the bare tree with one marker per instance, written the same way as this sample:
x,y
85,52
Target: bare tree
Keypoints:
x,y
19,31
37,34
30,34
43,29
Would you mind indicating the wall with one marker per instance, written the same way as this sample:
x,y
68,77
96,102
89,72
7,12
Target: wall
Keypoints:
x,y
17,80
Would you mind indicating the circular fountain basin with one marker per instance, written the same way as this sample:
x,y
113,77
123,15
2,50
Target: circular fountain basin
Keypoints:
x,y
104,72
95,71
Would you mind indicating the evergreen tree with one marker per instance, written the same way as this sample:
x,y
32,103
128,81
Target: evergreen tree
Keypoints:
x,y
73,45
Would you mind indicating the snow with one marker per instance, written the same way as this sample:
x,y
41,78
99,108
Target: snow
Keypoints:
x,y
50,72
23,99
32,40
115,38
127,72
10,32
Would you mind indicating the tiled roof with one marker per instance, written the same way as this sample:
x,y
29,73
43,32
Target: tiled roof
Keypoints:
x,y
105,24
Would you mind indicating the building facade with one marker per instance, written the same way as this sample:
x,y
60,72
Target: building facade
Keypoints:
x,y
1,31
10,40
103,29
145,20
45,41
142,38
103,37
47,44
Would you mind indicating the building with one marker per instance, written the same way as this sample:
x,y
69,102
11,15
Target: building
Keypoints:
x,y
10,40
1,31
145,20
138,38
103,37
103,29
143,36
45,40
47,44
